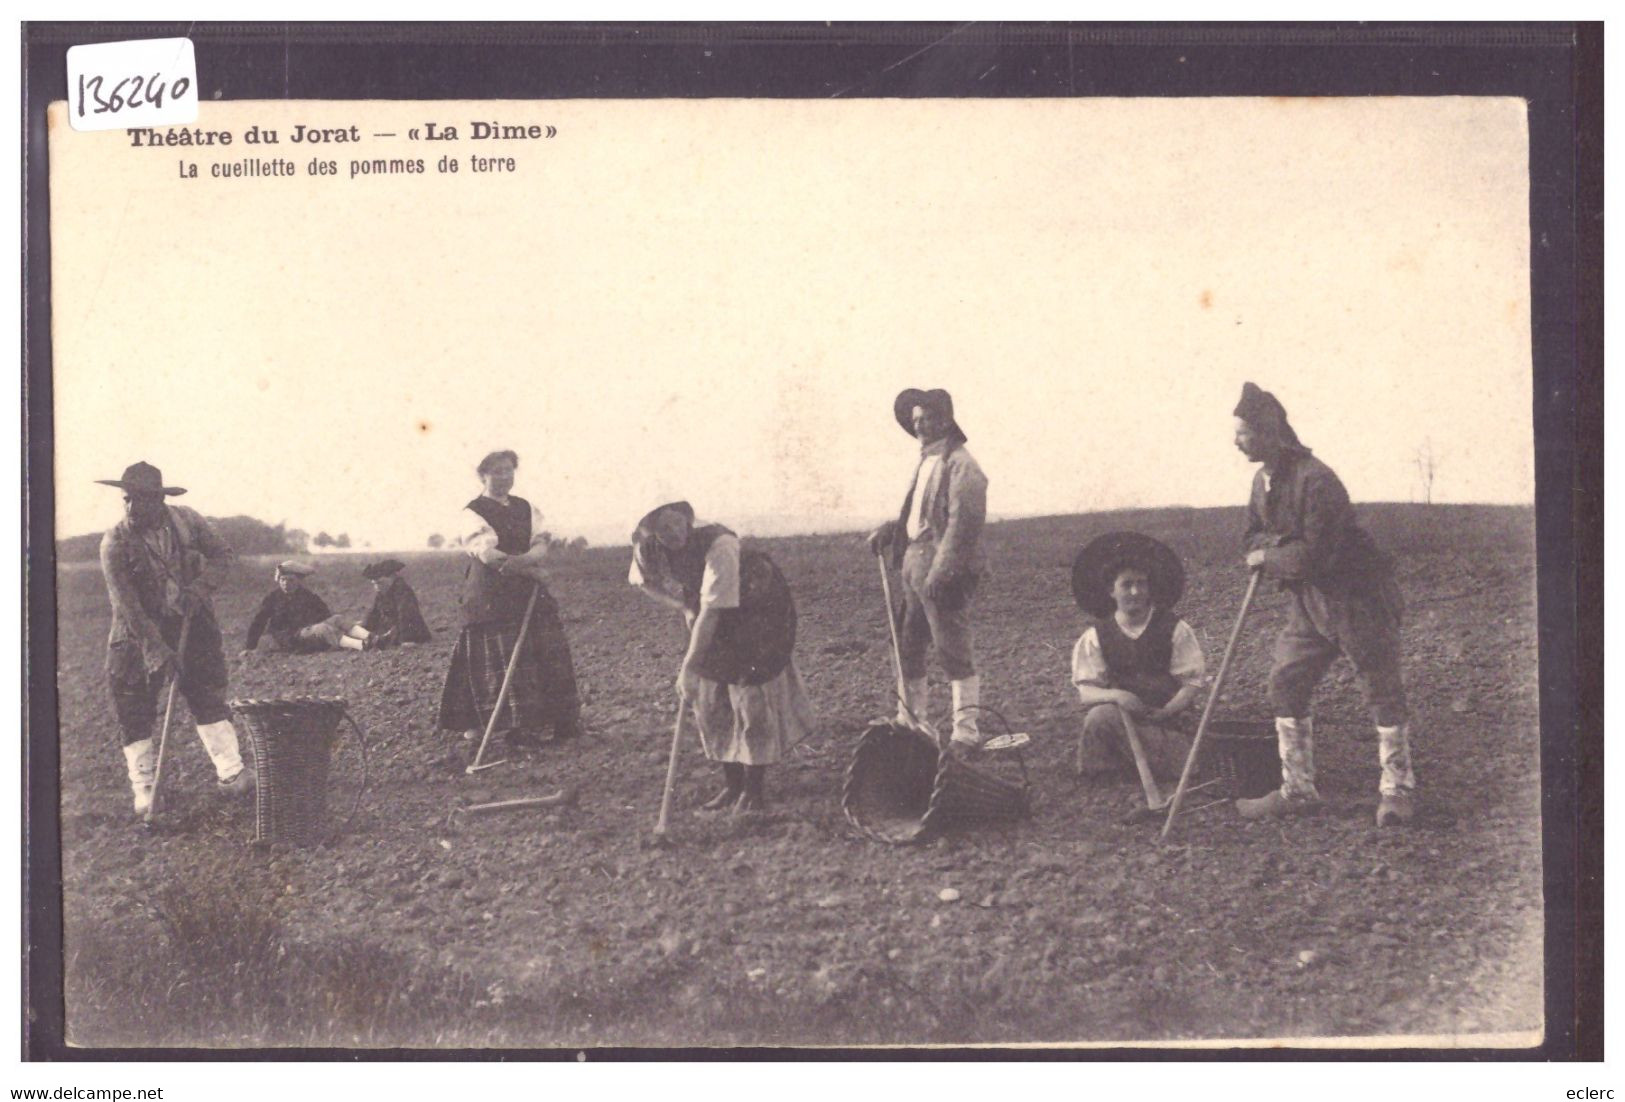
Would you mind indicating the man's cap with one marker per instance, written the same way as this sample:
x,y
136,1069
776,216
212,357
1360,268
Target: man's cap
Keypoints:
x,y
383,568
1098,564
142,478
940,400
297,569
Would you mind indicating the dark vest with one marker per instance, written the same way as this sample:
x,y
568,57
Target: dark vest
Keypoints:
x,y
1141,665
753,642
489,597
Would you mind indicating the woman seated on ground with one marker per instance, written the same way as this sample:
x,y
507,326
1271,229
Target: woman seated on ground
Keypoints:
x,y
299,621
738,673
394,617
1138,659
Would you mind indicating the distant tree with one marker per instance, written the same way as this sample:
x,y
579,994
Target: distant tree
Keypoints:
x,y
436,542
248,536
245,535
342,541
322,540
1427,468
578,544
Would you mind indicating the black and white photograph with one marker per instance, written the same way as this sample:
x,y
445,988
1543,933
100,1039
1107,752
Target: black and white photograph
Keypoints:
x,y
833,566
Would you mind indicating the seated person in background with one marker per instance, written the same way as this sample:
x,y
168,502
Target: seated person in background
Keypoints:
x,y
1139,656
394,617
299,621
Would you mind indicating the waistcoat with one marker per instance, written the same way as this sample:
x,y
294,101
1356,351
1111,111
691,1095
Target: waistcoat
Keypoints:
x,y
1141,665
753,642
490,597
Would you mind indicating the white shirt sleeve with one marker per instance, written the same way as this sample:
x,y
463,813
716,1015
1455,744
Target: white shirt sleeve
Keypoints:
x,y
1188,663
1088,664
478,537
719,588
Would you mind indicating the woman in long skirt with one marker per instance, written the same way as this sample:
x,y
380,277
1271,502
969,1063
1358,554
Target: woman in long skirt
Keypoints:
x,y
737,674
503,539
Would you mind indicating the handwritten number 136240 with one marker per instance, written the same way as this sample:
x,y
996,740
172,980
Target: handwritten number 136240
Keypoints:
x,y
140,90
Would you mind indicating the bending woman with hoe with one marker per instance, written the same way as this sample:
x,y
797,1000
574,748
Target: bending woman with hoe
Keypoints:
x,y
738,672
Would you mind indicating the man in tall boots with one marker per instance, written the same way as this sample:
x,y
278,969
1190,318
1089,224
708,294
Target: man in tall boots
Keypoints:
x,y
1302,532
936,543
161,562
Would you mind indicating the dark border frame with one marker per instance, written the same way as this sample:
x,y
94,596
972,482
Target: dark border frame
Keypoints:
x,y
1555,67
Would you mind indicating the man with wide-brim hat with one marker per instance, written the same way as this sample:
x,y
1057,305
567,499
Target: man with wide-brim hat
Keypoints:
x,y
936,543
162,562
395,617
1302,533
1138,657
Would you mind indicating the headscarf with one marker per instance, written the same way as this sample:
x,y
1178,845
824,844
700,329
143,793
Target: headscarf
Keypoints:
x,y
1262,410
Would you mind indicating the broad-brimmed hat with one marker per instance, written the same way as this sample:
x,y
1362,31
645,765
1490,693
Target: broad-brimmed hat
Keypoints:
x,y
646,526
1099,563
903,409
297,569
142,478
383,568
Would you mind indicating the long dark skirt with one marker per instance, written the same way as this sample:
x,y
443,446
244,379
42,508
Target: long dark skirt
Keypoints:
x,y
543,693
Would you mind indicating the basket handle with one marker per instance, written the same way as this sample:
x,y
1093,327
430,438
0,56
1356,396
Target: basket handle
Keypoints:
x,y
1021,759
361,789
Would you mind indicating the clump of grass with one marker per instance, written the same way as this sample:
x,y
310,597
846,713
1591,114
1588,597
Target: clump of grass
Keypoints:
x,y
224,971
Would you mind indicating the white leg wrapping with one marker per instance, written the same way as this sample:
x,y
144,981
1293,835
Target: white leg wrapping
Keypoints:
x,y
1394,752
349,642
967,695
220,740
139,762
1296,740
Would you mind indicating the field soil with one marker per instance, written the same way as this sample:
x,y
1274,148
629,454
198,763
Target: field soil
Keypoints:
x,y
566,928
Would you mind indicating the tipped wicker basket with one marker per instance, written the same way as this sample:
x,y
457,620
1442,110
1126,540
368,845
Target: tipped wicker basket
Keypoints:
x,y
900,788
1244,755
292,740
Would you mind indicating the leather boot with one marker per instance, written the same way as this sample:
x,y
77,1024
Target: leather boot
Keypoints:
x,y
1295,738
733,780
754,797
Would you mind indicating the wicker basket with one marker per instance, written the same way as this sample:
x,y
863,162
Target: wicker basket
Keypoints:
x,y
292,742
1244,755
900,789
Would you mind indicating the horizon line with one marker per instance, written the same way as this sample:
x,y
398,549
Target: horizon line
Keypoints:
x,y
1002,518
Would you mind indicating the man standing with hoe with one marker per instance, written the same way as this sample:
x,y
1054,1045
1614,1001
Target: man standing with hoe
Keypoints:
x,y
161,563
1302,532
936,543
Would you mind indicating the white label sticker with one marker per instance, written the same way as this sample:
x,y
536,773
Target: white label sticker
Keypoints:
x,y
114,85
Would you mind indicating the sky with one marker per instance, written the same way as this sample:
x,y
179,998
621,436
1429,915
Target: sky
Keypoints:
x,y
718,300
